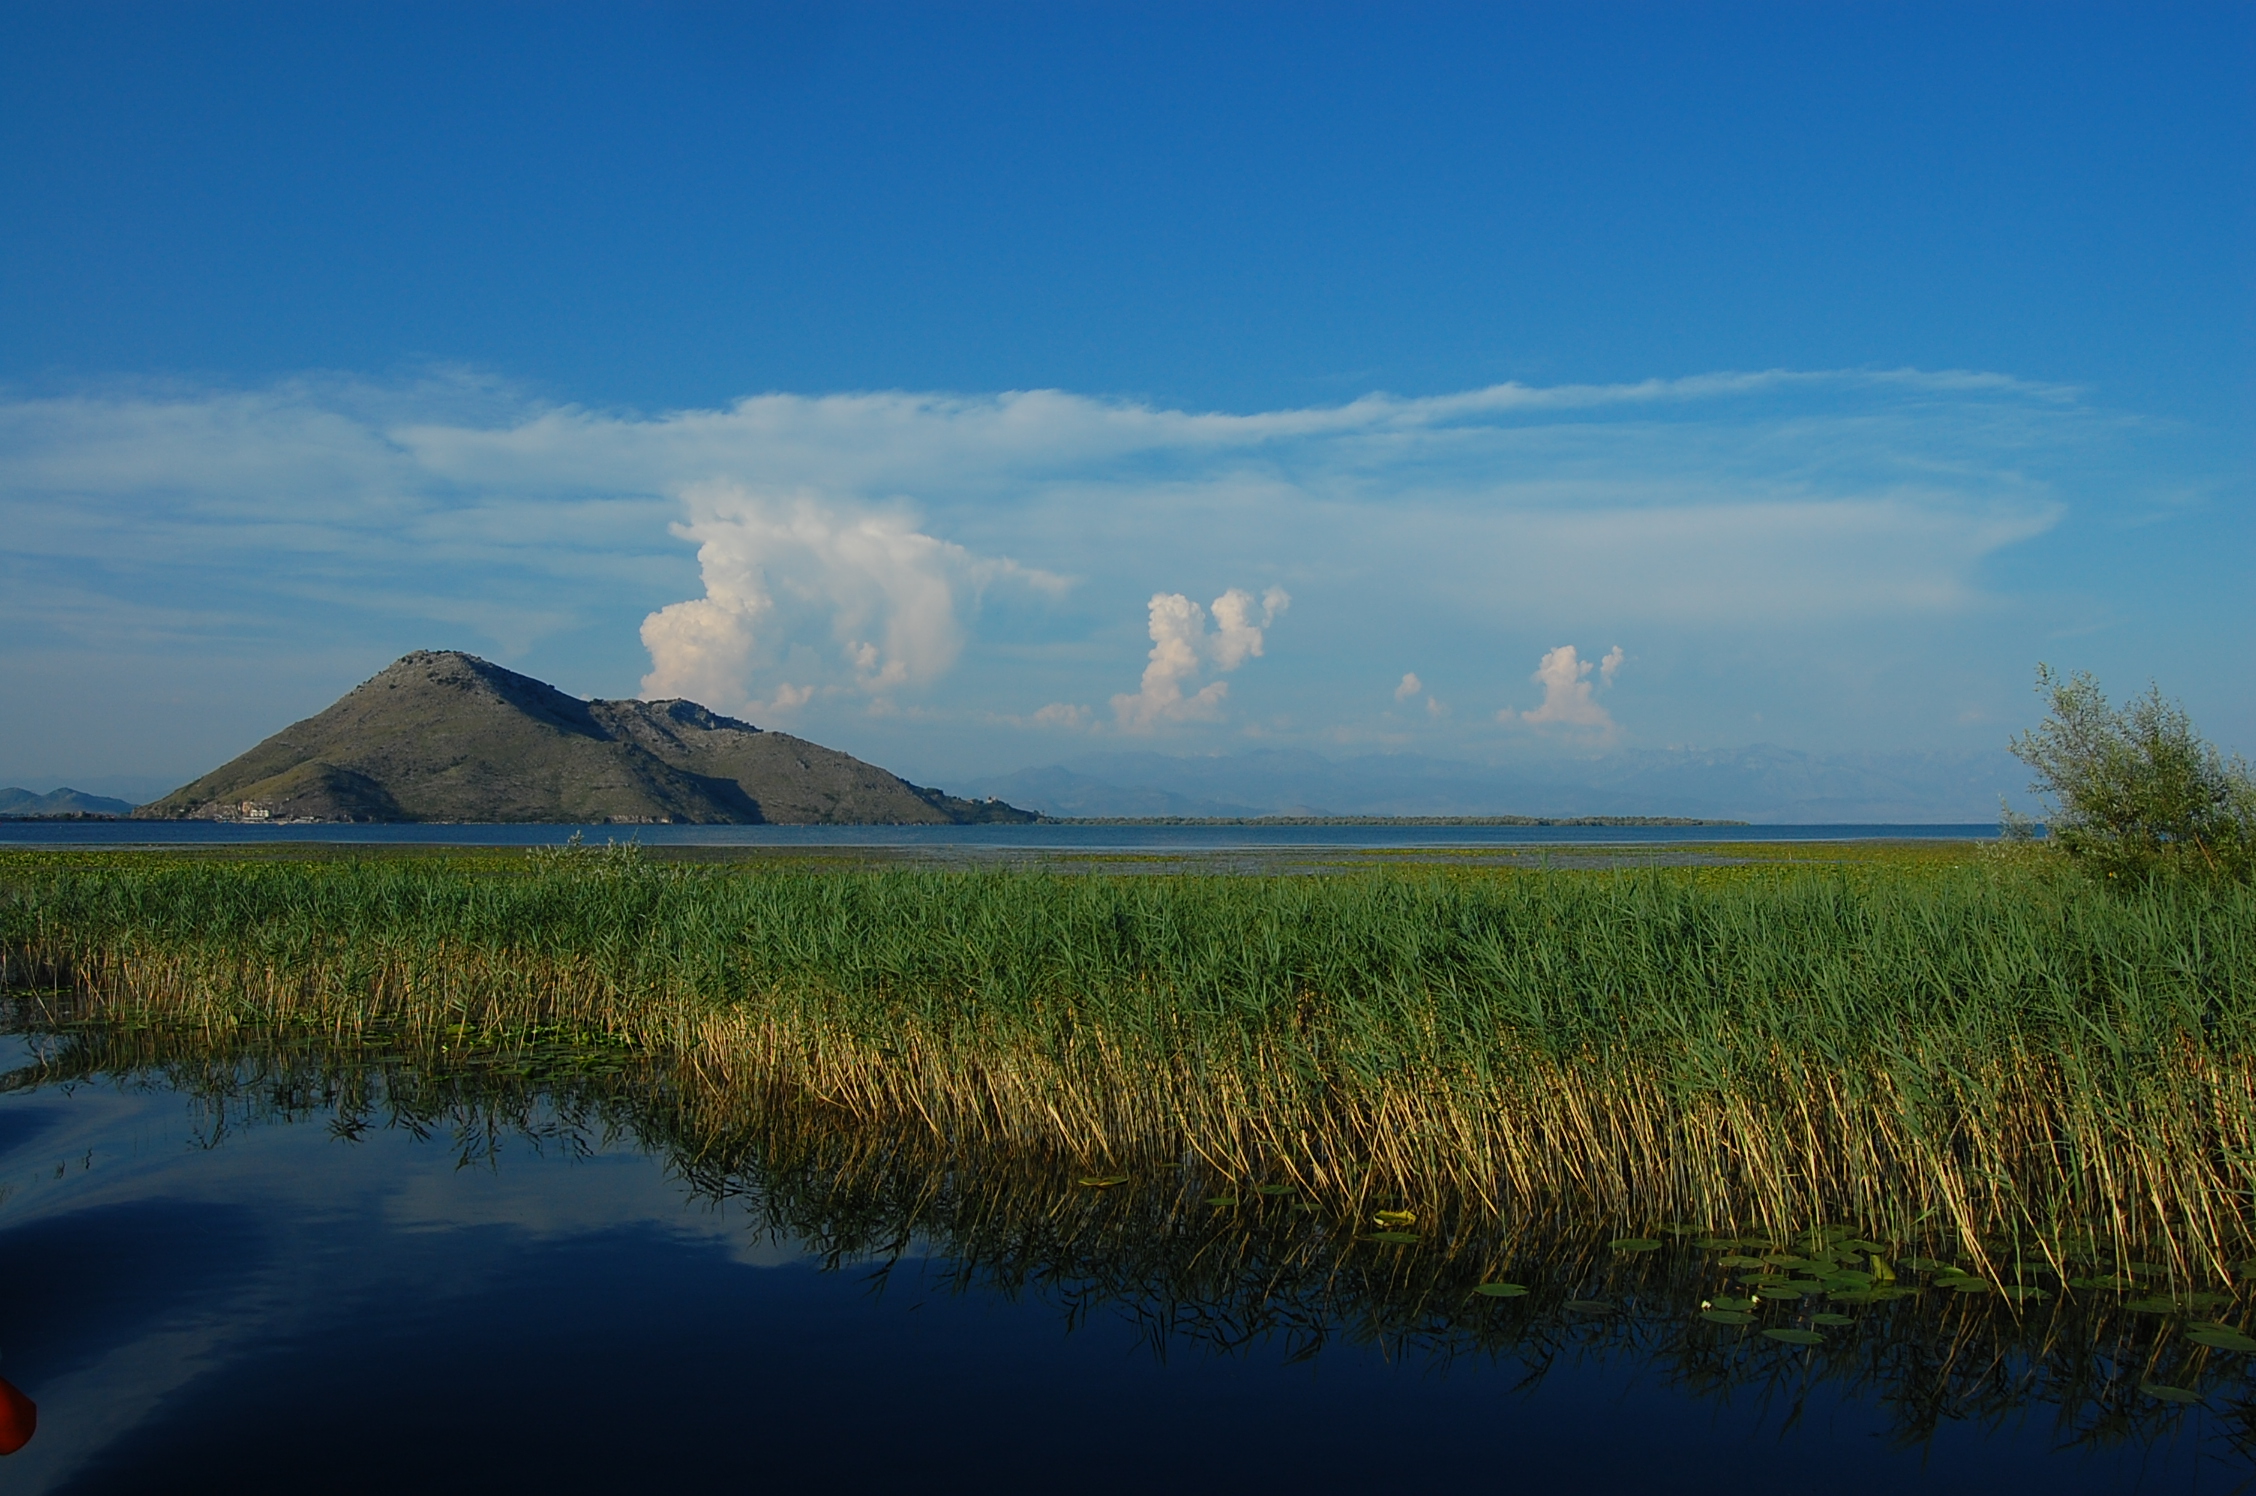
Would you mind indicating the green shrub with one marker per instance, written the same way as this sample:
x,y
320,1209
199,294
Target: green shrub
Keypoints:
x,y
2136,792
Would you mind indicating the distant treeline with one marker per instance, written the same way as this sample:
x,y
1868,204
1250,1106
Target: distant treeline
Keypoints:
x,y
1384,821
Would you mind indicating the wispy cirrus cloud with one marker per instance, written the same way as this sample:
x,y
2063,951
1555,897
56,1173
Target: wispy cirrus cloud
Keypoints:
x,y
978,555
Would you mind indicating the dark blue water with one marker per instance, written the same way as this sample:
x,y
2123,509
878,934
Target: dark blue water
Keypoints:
x,y
213,1291
1037,838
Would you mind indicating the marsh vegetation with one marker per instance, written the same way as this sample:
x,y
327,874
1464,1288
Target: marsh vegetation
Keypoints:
x,y
1988,1055
1195,1257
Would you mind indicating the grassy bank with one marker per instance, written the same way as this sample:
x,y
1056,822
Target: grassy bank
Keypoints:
x,y
1979,1051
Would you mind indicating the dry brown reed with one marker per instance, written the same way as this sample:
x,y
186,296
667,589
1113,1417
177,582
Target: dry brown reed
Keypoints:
x,y
1191,1255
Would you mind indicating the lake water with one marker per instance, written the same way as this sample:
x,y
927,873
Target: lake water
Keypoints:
x,y
249,1270
1030,838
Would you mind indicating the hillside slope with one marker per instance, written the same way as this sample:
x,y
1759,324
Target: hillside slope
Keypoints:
x,y
445,736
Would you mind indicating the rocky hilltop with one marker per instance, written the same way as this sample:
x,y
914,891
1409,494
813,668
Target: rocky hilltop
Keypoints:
x,y
445,736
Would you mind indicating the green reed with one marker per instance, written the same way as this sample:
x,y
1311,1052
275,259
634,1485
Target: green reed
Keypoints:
x,y
1990,1052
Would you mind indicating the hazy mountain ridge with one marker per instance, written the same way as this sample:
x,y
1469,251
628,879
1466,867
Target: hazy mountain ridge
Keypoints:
x,y
1762,783
66,801
445,736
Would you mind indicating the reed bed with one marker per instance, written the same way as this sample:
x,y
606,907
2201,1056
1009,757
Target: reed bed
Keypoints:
x,y
1195,1259
1989,1053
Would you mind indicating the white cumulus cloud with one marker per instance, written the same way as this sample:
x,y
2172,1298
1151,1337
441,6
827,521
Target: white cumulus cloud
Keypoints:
x,y
1569,699
1410,686
845,598
1181,646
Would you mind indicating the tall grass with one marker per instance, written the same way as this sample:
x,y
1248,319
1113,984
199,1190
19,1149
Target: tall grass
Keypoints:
x,y
1979,1052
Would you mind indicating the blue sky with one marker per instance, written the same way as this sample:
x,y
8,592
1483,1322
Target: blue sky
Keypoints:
x,y
979,387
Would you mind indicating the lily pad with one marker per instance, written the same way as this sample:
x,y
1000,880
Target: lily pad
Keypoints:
x,y
1733,1304
2101,1284
1968,1285
1831,1319
1103,1181
1717,1243
1395,1238
1739,1259
2183,1303
1791,1264
2021,1292
1395,1217
1502,1290
1780,1291
1795,1337
1727,1316
2221,1338
1634,1244
2168,1393
1928,1265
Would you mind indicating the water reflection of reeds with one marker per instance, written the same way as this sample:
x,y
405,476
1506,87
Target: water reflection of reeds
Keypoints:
x,y
1200,1261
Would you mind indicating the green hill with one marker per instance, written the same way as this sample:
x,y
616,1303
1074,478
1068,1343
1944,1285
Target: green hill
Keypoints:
x,y
445,736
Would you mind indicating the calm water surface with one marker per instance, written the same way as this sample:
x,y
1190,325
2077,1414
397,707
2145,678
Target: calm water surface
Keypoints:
x,y
252,1270
1061,839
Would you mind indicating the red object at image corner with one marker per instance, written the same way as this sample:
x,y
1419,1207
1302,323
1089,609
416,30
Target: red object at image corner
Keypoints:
x,y
19,1416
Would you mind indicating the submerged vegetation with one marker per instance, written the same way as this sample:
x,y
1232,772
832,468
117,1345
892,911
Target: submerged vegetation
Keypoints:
x,y
1995,1058
1193,1256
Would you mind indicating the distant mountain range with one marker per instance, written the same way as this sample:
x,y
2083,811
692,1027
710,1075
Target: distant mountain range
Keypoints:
x,y
1761,784
15,803
449,737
